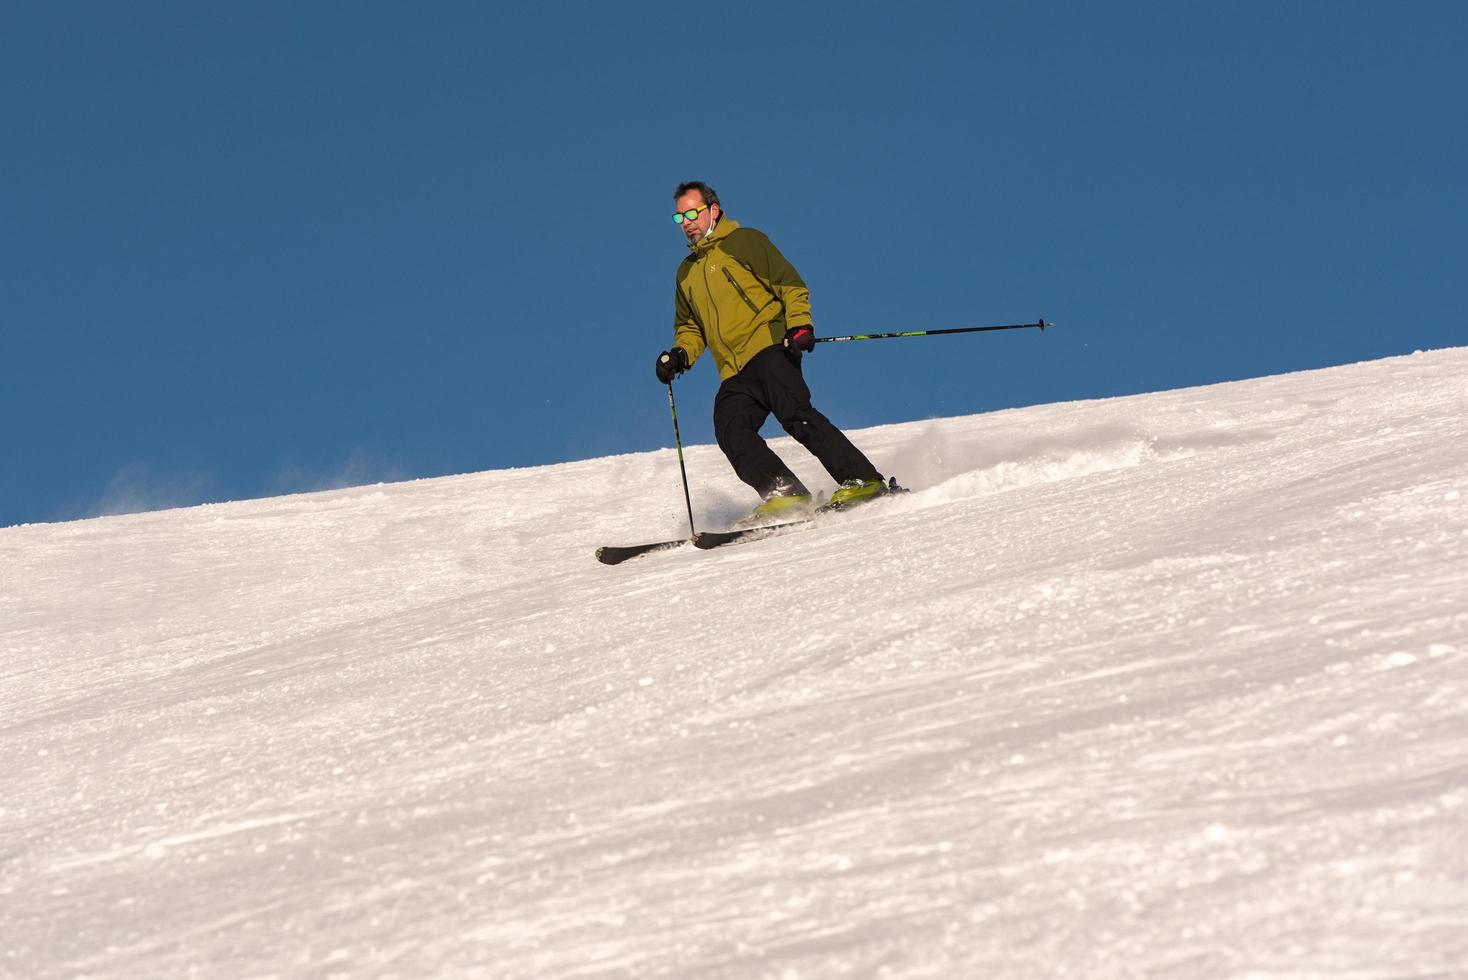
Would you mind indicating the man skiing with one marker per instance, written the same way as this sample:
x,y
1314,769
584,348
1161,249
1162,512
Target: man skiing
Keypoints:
x,y
738,298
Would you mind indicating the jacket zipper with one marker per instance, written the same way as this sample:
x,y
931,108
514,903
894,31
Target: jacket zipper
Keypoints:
x,y
708,338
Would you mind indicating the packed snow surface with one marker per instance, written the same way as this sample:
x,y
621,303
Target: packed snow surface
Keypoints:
x,y
1170,685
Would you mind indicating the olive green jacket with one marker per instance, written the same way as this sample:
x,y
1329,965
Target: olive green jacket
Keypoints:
x,y
735,296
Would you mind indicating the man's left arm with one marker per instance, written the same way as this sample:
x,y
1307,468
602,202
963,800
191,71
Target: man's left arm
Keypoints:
x,y
754,250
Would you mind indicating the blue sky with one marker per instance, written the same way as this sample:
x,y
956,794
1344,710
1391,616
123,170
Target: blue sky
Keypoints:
x,y
262,248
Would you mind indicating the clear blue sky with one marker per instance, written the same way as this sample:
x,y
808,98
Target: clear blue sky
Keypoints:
x,y
256,248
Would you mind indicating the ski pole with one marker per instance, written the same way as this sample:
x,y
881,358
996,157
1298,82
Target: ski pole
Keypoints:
x,y
1041,325
678,439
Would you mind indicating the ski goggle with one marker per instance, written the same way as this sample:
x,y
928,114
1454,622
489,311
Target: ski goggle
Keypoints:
x,y
689,215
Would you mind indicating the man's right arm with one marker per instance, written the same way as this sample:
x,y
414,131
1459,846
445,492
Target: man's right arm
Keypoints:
x,y
687,334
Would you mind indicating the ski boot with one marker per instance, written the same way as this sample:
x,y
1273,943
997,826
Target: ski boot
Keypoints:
x,y
853,492
778,508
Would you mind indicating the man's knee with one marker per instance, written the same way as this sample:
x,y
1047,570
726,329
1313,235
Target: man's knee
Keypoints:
x,y
733,429
801,428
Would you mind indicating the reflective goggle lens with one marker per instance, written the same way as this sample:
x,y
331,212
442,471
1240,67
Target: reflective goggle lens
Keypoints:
x,y
688,215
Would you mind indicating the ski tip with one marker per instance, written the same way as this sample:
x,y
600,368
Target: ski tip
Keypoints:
x,y
1045,324
614,555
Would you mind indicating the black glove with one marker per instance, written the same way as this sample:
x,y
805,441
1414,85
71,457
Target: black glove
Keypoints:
x,y
801,338
671,363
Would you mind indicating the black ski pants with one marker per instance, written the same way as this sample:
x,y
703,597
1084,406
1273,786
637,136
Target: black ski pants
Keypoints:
x,y
771,383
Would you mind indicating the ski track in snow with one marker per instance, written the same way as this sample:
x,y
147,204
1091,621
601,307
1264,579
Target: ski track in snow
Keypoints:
x,y
1170,685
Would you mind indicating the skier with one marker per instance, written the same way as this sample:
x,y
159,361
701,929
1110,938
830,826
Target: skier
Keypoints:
x,y
739,298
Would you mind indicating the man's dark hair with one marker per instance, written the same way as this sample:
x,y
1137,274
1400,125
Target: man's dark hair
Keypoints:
x,y
710,196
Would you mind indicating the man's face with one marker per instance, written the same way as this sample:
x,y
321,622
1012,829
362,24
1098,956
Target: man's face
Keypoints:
x,y
700,225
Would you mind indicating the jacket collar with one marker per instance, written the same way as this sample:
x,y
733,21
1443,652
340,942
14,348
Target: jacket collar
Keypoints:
x,y
721,230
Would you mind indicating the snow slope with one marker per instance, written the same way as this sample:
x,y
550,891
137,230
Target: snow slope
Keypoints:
x,y
1171,685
